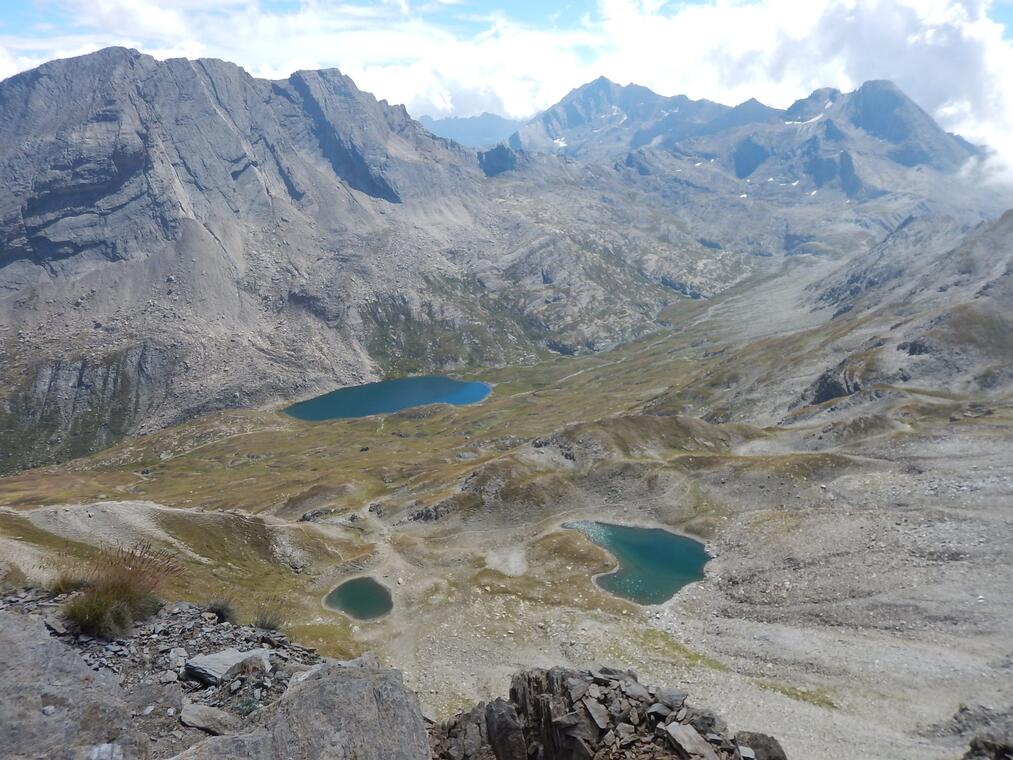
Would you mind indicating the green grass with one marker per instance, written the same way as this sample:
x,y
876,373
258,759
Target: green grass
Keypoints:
x,y
270,614
653,643
120,588
816,697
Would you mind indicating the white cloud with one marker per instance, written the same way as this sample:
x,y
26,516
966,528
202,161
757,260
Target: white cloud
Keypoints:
x,y
946,54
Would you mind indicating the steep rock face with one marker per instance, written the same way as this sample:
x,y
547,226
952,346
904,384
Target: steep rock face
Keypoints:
x,y
71,406
880,109
108,153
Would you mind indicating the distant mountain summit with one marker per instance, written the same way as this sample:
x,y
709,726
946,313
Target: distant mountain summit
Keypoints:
x,y
847,140
602,118
473,131
880,109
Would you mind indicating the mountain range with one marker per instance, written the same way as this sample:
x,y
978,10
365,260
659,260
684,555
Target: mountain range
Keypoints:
x,y
178,237
783,332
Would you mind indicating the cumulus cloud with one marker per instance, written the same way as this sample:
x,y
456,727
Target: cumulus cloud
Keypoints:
x,y
438,60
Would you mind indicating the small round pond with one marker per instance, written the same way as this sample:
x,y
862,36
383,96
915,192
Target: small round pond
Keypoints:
x,y
361,598
652,563
387,397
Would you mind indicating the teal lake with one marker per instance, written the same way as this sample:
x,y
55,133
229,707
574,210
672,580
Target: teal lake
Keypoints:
x,y
653,563
387,397
361,598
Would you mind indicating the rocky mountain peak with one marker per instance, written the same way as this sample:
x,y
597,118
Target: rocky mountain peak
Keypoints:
x,y
881,109
813,105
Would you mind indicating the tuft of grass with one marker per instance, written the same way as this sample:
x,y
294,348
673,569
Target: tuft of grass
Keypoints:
x,y
67,581
247,706
12,577
223,610
270,614
70,574
121,586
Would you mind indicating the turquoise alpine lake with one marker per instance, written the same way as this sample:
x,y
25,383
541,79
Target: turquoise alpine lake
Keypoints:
x,y
387,397
361,598
652,563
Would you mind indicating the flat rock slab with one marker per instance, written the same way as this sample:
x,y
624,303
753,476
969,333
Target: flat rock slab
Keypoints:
x,y
688,744
634,690
599,714
210,719
54,706
220,666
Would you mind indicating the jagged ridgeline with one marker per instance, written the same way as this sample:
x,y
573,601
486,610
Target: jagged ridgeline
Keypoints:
x,y
178,237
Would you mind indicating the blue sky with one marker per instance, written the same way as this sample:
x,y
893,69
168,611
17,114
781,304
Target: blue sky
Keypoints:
x,y
1003,13
36,17
462,57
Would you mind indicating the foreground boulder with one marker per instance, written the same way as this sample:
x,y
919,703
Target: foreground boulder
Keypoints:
x,y
561,714
52,705
339,711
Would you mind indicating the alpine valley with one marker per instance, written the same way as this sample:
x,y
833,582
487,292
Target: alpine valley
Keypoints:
x,y
785,333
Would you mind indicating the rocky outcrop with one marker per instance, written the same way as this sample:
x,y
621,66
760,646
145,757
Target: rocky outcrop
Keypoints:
x,y
72,407
497,160
213,669
561,714
72,697
834,384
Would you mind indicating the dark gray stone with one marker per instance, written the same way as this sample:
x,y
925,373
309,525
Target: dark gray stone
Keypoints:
x,y
506,735
763,746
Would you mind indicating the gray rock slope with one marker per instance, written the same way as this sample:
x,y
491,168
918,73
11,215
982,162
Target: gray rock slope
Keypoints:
x,y
952,299
55,706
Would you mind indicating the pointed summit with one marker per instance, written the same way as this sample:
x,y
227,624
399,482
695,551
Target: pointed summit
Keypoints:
x,y
881,109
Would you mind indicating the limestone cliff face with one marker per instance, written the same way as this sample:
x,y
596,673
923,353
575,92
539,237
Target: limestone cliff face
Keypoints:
x,y
107,154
